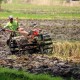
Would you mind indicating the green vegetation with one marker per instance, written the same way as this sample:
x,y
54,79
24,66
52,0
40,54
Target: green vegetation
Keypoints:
x,y
29,11
9,74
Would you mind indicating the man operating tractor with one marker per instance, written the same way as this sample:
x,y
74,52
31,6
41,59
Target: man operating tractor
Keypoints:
x,y
32,40
13,27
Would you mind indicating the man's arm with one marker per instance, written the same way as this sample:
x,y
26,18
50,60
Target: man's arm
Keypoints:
x,y
6,26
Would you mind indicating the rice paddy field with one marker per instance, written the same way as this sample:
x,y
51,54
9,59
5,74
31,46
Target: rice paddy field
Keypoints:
x,y
33,11
66,50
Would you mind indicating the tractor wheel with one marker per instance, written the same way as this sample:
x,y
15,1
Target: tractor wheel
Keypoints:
x,y
41,49
47,44
13,46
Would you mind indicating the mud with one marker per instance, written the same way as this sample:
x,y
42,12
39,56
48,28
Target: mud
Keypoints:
x,y
37,64
59,29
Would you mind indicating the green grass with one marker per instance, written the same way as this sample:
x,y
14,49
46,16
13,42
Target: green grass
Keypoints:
x,y
28,11
9,74
4,15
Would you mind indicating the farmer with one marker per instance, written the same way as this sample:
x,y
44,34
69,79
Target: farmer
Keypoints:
x,y
12,25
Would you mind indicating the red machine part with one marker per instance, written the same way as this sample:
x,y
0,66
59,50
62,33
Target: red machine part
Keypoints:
x,y
35,32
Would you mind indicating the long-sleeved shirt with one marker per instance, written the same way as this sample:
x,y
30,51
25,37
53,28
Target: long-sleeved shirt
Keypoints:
x,y
12,26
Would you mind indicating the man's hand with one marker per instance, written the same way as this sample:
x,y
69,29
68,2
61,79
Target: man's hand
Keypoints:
x,y
3,29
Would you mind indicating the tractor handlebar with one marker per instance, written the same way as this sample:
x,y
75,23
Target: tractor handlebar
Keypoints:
x,y
3,29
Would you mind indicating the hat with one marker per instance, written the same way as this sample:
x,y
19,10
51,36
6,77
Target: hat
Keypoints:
x,y
10,17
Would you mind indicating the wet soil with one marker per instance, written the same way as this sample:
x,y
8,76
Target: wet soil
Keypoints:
x,y
38,63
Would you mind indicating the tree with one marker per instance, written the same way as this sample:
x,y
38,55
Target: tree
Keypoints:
x,y
1,3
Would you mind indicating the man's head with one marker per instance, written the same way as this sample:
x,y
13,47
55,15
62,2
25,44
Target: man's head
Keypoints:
x,y
11,18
